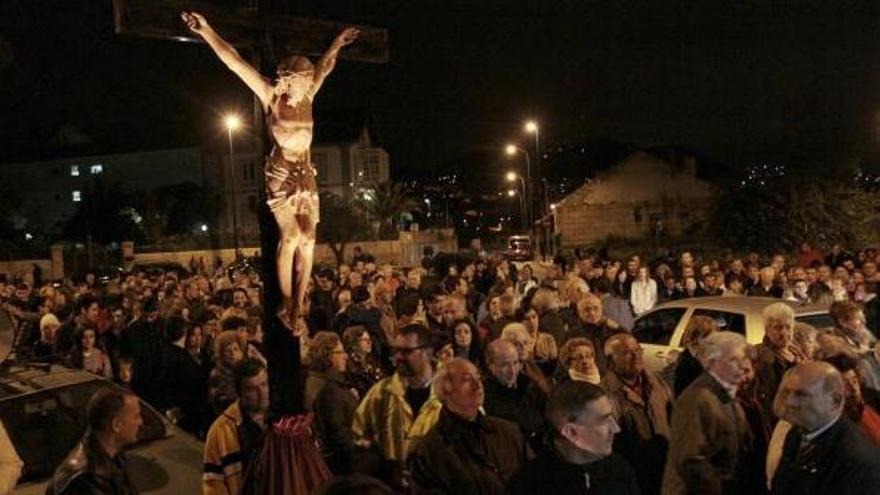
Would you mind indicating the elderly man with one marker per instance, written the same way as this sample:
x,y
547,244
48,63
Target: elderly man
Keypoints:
x,y
777,353
467,452
824,452
579,458
510,394
644,403
97,463
709,427
593,325
401,407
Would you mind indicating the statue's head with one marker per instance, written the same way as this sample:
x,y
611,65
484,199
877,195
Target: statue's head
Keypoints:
x,y
295,76
294,64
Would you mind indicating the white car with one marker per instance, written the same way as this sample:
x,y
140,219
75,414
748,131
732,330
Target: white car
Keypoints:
x,y
661,329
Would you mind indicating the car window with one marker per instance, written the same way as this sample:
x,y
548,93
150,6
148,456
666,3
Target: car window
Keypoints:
x,y
46,425
732,322
822,320
658,326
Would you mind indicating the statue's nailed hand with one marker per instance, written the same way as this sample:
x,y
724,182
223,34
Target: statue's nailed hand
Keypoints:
x,y
347,36
194,21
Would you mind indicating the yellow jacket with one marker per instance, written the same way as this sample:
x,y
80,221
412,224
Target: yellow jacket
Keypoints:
x,y
223,469
385,420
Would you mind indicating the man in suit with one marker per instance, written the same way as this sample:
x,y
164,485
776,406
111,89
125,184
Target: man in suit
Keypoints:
x,y
824,452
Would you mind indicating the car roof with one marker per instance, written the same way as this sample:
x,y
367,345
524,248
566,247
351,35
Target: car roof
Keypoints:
x,y
26,378
740,303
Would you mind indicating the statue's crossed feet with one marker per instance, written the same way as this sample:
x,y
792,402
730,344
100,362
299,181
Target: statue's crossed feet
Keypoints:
x,y
292,320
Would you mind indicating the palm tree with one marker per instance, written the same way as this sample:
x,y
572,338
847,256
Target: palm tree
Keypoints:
x,y
384,202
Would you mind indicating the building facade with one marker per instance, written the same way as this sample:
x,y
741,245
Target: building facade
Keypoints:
x,y
640,197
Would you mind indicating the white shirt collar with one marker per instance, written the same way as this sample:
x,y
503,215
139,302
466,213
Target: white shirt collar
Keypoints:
x,y
809,437
730,388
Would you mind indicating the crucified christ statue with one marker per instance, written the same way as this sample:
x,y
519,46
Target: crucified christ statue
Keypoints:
x,y
291,188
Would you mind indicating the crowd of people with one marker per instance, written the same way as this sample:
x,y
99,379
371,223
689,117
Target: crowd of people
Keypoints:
x,y
491,377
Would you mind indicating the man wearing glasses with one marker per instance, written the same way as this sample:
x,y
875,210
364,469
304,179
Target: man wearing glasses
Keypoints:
x,y
401,407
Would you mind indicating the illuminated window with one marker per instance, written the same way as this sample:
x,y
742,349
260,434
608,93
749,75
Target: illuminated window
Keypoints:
x,y
77,196
74,170
97,169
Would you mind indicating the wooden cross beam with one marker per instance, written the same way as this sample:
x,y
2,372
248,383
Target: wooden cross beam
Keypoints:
x,y
247,28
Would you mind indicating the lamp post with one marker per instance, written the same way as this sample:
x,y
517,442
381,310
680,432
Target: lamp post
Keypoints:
x,y
233,123
512,150
511,177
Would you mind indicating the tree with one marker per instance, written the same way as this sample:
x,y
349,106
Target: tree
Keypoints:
x,y
339,225
106,214
385,202
780,212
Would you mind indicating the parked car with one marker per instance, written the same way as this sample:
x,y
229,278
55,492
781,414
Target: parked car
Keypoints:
x,y
44,410
660,330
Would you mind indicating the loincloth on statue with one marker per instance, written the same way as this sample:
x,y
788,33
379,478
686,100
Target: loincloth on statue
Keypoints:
x,y
291,187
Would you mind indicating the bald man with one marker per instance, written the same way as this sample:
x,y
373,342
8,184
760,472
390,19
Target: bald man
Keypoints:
x,y
824,452
467,452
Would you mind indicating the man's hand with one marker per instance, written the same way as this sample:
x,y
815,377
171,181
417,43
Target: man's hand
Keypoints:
x,y
346,37
194,21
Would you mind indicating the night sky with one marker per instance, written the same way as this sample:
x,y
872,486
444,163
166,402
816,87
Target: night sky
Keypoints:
x,y
740,82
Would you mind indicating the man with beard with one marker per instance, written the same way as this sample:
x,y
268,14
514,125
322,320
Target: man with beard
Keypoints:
x,y
234,437
399,408
467,452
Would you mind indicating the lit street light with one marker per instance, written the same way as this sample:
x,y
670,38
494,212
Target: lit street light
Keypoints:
x,y
232,123
511,177
511,193
511,150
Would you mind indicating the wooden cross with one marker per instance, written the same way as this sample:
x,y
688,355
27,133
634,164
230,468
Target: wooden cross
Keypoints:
x,y
263,36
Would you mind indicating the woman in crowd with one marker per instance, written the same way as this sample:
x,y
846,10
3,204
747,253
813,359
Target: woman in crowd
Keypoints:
x,y
327,395
577,361
221,382
363,369
465,344
90,358
545,350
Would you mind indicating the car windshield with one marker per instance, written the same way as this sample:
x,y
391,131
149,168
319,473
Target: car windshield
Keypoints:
x,y
519,244
44,426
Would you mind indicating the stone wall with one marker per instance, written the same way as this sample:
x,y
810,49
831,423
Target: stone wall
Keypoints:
x,y
406,251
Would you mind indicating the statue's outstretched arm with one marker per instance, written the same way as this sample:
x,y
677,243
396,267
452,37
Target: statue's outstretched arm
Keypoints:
x,y
229,55
328,61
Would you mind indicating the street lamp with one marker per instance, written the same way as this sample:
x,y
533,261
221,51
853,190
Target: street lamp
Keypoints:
x,y
232,123
511,177
511,150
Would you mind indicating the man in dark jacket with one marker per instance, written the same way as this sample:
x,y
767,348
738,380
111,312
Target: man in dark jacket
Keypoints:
x,y
142,342
579,458
824,452
96,466
466,452
510,394
184,383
